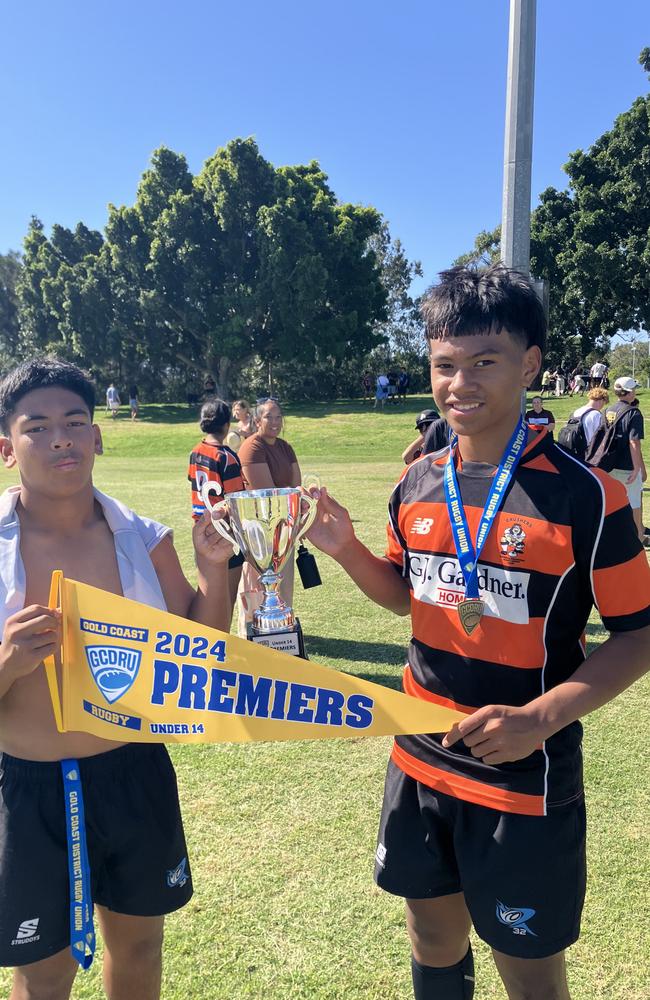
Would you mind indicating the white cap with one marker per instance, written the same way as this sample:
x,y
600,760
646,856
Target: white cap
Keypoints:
x,y
626,384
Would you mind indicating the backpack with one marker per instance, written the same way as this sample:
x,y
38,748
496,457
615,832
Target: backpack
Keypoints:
x,y
601,453
572,438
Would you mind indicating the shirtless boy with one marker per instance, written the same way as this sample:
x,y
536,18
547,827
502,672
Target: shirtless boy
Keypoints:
x,y
485,826
56,520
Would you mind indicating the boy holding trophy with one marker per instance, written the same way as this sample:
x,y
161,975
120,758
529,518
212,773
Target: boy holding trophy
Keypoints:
x,y
499,547
132,844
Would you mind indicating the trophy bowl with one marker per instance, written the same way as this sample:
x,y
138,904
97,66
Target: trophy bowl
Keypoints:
x,y
266,525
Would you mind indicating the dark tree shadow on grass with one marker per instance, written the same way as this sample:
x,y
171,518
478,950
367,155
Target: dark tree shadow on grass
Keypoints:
x,y
391,653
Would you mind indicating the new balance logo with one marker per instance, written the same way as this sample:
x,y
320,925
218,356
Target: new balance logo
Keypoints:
x,y
27,932
421,526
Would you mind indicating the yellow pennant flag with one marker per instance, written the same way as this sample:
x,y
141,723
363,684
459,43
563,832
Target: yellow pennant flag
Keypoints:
x,y
136,673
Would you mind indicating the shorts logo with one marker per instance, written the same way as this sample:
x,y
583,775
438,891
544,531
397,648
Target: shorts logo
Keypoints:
x,y
177,877
380,855
516,918
421,526
114,669
26,932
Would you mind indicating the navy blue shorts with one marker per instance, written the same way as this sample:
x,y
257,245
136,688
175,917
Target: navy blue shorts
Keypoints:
x,y
523,877
136,845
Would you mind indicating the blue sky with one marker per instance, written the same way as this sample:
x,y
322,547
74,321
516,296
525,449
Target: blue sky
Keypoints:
x,y
402,103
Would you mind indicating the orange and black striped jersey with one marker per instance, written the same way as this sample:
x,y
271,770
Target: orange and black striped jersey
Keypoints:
x,y
563,541
216,463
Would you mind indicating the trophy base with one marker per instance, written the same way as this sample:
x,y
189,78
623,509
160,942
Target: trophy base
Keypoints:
x,y
286,640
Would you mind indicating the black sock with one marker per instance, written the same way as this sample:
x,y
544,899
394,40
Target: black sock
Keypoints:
x,y
455,982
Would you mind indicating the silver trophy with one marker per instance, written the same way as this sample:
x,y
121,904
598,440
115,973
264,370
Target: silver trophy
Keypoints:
x,y
265,525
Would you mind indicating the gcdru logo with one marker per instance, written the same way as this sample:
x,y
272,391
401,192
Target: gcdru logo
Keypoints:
x,y
177,877
516,918
114,669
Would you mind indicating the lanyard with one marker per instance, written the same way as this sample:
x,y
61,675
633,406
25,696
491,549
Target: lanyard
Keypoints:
x,y
82,931
467,555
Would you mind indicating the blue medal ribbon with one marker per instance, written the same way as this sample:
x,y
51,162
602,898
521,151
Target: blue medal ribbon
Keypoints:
x,y
468,556
82,930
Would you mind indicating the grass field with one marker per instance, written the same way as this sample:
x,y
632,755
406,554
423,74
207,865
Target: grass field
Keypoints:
x,y
282,836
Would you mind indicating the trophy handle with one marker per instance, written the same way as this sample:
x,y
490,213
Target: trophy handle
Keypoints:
x,y
307,518
218,523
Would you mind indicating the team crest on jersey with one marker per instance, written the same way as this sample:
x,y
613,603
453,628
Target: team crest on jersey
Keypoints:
x,y
114,669
516,917
513,542
178,876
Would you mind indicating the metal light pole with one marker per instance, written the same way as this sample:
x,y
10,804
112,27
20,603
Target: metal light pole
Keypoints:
x,y
518,151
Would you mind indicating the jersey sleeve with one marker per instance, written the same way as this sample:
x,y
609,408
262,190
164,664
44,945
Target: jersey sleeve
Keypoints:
x,y
621,572
396,550
151,532
636,425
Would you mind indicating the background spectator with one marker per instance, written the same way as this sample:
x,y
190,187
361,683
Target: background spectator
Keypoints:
x,y
213,461
112,400
597,373
591,415
267,461
433,435
403,382
538,418
133,401
629,467
244,427
381,390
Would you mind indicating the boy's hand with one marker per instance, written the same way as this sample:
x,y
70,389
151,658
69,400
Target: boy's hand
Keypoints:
x,y
29,636
332,530
210,547
498,733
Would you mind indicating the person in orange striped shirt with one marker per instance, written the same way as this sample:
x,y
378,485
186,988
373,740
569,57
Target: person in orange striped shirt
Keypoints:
x,y
213,461
498,546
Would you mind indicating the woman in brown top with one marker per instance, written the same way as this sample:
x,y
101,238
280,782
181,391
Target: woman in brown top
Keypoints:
x,y
267,461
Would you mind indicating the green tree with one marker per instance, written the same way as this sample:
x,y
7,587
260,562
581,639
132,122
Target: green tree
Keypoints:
x,y
402,329
205,275
10,266
592,242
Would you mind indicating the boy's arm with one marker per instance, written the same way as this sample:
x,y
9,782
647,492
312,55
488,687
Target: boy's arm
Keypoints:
x,y
638,465
332,532
499,733
29,636
408,453
620,583
209,603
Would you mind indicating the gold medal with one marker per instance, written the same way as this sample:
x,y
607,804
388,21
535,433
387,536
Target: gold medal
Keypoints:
x,y
470,611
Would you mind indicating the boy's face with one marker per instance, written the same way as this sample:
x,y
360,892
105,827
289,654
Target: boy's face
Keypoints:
x,y
53,441
477,380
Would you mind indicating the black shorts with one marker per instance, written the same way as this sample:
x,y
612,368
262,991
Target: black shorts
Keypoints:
x,y
523,877
136,845
236,561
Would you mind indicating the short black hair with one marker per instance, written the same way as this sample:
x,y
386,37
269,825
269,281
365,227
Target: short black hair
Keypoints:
x,y
215,414
470,301
42,373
